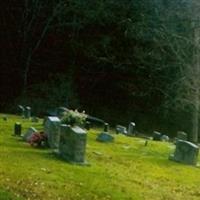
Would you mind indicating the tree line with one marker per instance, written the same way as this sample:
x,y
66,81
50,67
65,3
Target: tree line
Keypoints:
x,y
122,60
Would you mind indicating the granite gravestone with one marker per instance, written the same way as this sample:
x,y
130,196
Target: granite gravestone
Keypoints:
x,y
22,110
27,112
52,129
72,143
157,136
17,129
131,129
105,136
185,152
27,136
121,129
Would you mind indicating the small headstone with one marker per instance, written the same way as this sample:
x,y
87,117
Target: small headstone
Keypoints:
x,y
182,135
17,129
121,129
106,127
27,136
52,129
27,113
87,125
157,136
131,129
165,138
105,137
186,152
72,143
22,110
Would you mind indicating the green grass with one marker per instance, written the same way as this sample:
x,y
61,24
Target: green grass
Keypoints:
x,y
125,169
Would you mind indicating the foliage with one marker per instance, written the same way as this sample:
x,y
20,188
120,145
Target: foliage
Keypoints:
x,y
74,118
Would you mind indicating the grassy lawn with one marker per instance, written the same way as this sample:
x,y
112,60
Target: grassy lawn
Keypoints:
x,y
125,169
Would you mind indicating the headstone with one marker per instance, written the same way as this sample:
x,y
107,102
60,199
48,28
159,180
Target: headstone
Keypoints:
x,y
27,136
87,125
72,143
106,127
157,136
185,152
52,129
164,138
27,113
17,129
182,135
22,110
105,137
121,129
131,129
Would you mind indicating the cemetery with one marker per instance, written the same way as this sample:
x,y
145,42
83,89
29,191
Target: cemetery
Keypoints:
x,y
52,159
100,100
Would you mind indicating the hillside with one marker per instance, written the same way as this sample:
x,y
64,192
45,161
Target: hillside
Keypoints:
x,y
125,169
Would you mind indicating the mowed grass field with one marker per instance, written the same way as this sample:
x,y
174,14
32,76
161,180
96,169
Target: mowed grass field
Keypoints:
x,y
125,169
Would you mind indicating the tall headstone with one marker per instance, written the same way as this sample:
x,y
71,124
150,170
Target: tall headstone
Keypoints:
x,y
17,129
185,152
72,143
52,129
131,129
27,113
106,127
27,136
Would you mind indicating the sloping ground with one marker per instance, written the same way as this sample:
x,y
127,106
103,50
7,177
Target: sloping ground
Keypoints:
x,y
126,169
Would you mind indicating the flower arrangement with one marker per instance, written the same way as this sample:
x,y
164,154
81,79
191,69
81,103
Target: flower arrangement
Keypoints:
x,y
74,118
38,139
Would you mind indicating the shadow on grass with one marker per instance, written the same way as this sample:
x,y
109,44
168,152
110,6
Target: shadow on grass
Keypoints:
x,y
5,195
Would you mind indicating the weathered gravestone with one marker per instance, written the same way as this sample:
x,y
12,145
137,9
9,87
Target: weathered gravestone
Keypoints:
x,y
185,152
17,129
27,112
182,135
27,136
121,129
72,143
157,136
22,110
52,129
131,129
164,138
106,127
105,136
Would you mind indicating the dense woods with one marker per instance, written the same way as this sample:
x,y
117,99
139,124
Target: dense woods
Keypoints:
x,y
122,60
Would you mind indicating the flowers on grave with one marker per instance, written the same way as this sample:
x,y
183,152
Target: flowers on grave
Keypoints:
x,y
38,139
74,118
